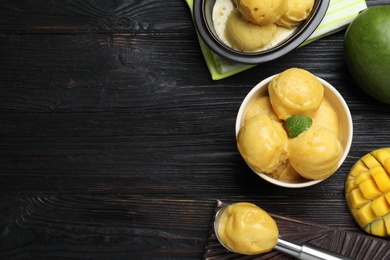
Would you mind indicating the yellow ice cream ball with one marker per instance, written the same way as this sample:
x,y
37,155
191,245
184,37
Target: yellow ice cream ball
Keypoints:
x,y
285,172
247,229
262,143
327,117
261,105
247,36
315,153
295,92
297,11
262,12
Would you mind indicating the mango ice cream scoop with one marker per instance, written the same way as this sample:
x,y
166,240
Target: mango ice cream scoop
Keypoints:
x,y
262,143
297,11
295,92
262,12
247,36
315,153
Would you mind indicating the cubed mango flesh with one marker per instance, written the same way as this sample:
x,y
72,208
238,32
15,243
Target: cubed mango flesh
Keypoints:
x,y
367,192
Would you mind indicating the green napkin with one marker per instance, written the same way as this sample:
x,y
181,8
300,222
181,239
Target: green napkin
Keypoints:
x,y
339,14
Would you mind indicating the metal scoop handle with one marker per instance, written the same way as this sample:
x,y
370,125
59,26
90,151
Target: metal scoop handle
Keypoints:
x,y
306,251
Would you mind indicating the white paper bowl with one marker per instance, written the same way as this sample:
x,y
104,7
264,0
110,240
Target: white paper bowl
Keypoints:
x,y
338,103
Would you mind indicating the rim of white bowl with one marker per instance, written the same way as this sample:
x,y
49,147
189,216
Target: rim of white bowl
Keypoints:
x,y
347,142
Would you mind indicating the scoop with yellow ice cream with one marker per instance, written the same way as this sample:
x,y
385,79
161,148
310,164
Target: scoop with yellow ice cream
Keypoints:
x,y
297,11
262,12
247,229
247,36
295,92
262,143
315,153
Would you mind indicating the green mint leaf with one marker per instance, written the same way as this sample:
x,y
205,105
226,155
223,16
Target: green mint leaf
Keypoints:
x,y
297,124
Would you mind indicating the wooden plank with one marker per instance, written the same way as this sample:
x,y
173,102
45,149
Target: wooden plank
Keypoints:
x,y
101,227
125,16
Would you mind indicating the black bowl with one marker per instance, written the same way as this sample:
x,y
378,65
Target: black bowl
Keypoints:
x,y
203,16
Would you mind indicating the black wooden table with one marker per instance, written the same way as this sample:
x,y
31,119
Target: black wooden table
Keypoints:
x,y
115,143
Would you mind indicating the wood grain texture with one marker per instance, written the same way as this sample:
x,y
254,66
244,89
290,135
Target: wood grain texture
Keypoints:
x,y
115,142
98,226
124,16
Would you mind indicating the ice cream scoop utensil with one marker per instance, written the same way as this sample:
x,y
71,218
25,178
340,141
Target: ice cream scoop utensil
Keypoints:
x,y
306,251
300,251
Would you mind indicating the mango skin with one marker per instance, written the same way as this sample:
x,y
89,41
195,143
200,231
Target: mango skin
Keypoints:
x,y
367,51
